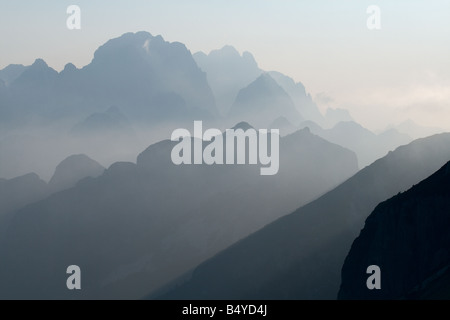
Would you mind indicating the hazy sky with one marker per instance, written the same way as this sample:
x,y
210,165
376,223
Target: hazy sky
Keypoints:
x,y
382,76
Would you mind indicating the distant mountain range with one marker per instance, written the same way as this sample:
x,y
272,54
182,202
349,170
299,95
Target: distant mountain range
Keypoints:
x,y
145,227
18,192
414,130
137,89
73,169
21,191
11,73
227,72
301,99
263,101
150,79
24,190
367,145
139,226
407,237
334,116
300,255
111,121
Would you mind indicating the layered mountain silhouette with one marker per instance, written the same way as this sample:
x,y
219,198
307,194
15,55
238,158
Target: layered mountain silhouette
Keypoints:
x,y
151,76
11,72
37,76
73,169
415,130
302,100
23,152
407,237
106,133
300,255
148,78
111,121
262,102
156,85
18,192
227,72
367,145
334,116
21,191
283,125
154,229
139,226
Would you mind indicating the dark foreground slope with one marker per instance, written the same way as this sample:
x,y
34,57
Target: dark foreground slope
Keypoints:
x,y
408,237
300,256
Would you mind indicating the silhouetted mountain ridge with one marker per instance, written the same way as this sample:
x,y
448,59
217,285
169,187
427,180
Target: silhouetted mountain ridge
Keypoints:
x,y
263,101
300,255
150,79
407,237
227,72
11,72
367,145
303,101
73,169
138,226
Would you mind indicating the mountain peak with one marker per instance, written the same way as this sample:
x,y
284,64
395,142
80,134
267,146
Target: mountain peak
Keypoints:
x,y
242,125
306,130
38,74
227,50
265,82
13,66
73,169
125,46
39,63
265,76
246,55
230,52
227,72
333,116
281,122
11,72
69,67
262,101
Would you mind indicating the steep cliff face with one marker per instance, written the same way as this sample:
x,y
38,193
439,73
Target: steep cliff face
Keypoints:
x,y
408,237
